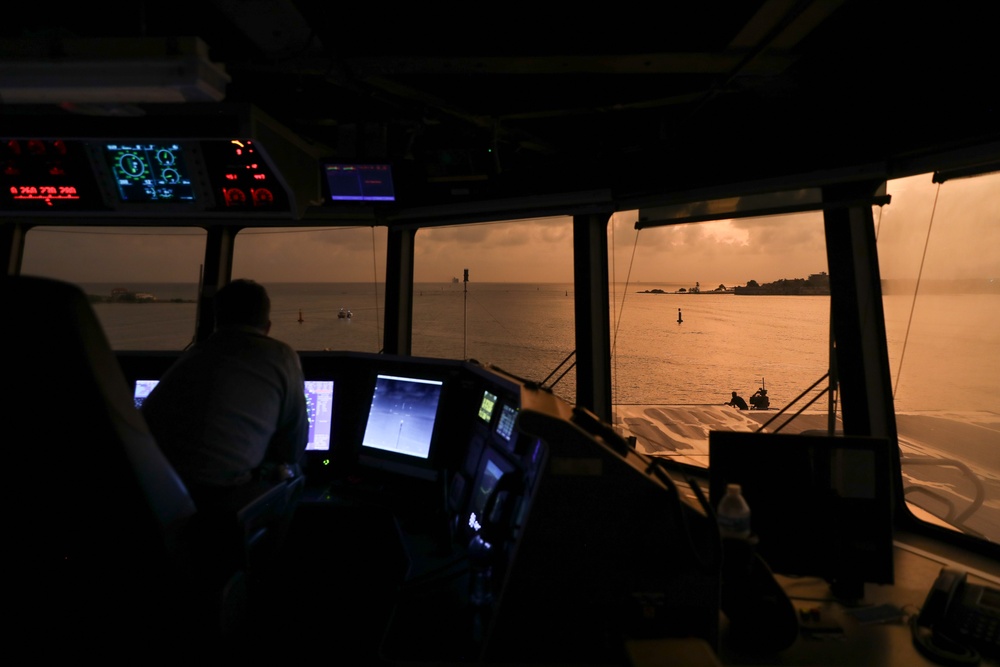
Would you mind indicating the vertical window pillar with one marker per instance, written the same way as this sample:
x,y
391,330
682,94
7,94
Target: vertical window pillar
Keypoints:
x,y
398,337
217,270
858,319
593,316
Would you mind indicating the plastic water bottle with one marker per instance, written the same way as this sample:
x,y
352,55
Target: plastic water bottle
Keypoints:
x,y
733,513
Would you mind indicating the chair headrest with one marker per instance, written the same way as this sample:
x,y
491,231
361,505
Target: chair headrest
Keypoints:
x,y
70,396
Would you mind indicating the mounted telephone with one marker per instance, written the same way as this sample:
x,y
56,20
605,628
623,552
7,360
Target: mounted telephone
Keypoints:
x,y
959,622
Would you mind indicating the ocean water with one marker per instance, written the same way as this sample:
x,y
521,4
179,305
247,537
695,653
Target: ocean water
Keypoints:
x,y
944,349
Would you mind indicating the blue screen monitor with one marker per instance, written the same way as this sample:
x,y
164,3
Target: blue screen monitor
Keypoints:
x,y
319,405
359,182
492,468
400,426
142,389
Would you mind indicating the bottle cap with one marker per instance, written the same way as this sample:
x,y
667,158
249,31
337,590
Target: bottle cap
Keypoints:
x,y
734,488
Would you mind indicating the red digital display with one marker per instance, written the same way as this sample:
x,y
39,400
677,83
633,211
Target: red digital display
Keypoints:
x,y
245,180
45,175
46,193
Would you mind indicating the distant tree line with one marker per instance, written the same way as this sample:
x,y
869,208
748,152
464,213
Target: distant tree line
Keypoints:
x,y
817,283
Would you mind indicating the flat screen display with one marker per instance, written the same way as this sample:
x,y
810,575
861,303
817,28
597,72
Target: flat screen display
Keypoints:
x,y
150,172
319,406
359,182
505,426
402,415
142,389
492,468
486,406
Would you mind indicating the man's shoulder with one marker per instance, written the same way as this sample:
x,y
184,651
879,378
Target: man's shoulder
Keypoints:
x,y
247,336
276,350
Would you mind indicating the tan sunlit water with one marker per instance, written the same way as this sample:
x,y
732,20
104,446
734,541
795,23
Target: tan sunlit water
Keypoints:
x,y
725,342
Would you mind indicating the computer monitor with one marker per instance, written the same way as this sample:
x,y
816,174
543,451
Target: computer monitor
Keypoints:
x,y
492,466
359,182
820,505
399,432
141,390
319,405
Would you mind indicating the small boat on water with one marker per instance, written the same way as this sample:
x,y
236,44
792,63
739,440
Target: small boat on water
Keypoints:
x,y
344,314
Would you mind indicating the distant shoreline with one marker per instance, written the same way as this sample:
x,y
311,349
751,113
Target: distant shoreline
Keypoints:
x,y
818,284
133,299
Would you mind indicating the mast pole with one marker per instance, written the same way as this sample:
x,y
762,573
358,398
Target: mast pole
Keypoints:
x,y
465,316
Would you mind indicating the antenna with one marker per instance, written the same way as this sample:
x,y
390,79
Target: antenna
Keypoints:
x,y
465,316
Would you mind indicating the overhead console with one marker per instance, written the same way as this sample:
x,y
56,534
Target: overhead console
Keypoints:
x,y
189,164
143,177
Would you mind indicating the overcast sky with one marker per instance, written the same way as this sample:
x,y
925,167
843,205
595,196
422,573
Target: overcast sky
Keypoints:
x,y
964,220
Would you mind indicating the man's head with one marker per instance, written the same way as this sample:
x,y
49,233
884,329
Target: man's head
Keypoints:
x,y
734,394
243,302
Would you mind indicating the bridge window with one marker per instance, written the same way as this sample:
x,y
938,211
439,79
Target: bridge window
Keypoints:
x,y
516,311
704,309
143,282
939,259
327,285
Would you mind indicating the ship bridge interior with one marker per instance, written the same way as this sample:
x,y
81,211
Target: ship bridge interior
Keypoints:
x,y
506,541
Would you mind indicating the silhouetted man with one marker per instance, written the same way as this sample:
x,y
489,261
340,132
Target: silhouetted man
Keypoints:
x,y
737,402
232,409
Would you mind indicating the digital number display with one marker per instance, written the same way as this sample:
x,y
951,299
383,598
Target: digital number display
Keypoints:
x,y
146,172
45,175
46,193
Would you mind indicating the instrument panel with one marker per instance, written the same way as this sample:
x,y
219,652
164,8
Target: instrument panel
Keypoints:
x,y
145,177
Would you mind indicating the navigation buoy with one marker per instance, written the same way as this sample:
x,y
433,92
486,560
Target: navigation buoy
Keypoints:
x,y
300,317
679,318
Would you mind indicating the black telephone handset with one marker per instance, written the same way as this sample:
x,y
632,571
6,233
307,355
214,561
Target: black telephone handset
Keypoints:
x,y
959,622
